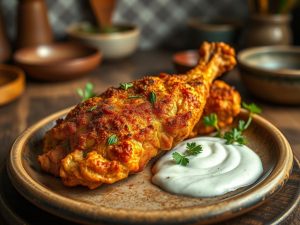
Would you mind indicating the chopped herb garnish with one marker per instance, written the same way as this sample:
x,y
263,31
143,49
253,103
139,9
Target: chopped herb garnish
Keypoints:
x,y
87,93
84,154
252,108
212,121
191,149
242,125
152,97
113,139
235,135
92,108
135,96
125,86
180,159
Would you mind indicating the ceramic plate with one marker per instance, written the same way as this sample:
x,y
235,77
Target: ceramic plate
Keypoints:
x,y
136,200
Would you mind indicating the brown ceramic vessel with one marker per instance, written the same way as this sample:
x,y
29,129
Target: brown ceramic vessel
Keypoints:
x,y
33,25
265,30
136,200
103,11
57,62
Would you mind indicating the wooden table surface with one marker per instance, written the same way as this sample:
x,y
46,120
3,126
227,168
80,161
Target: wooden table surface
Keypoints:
x,y
42,99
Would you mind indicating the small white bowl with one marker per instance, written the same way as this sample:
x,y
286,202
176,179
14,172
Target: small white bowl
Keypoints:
x,y
113,45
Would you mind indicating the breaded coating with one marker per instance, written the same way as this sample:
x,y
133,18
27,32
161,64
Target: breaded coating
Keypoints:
x,y
155,114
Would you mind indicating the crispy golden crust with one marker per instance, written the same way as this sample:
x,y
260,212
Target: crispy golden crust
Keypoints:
x,y
79,142
225,102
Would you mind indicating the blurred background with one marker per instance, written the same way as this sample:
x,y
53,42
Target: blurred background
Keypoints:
x,y
158,20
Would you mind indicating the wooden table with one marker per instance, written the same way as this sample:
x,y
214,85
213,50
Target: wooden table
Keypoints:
x,y
42,99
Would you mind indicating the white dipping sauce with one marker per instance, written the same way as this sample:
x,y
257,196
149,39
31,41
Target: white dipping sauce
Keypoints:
x,y
217,170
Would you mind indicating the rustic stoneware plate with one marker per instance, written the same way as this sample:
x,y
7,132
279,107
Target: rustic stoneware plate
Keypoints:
x,y
136,200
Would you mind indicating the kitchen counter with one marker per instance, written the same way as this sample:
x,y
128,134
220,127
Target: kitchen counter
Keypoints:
x,y
42,99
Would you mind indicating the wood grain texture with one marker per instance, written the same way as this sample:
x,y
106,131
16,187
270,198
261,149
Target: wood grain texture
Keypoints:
x,y
42,99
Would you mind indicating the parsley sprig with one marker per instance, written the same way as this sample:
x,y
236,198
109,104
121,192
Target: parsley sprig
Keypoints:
x,y
113,139
126,86
134,96
212,121
152,97
235,135
92,108
87,92
191,149
180,159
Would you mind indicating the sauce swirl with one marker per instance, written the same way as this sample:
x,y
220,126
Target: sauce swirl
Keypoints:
x,y
219,169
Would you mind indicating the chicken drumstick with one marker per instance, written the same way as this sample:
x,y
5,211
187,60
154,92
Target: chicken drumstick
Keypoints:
x,y
108,137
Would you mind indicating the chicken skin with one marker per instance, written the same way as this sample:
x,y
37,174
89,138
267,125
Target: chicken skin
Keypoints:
x,y
225,102
108,137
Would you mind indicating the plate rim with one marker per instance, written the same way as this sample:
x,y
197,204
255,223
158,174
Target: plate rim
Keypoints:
x,y
84,212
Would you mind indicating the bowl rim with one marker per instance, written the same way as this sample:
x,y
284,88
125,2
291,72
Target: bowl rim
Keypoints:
x,y
191,52
16,85
210,24
72,32
284,73
266,188
95,52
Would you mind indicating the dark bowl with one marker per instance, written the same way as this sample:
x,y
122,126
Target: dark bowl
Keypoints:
x,y
185,60
212,30
58,61
272,73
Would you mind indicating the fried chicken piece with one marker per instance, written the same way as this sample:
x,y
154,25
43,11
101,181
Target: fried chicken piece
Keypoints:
x,y
106,138
225,102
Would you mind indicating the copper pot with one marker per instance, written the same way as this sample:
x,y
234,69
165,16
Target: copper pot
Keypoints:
x,y
33,25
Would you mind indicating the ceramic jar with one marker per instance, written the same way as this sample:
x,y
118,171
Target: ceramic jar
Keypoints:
x,y
33,25
268,30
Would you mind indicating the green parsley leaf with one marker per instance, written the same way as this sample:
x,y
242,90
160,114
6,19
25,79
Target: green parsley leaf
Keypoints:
x,y
87,92
242,125
135,96
180,159
211,120
233,136
152,97
113,139
84,154
193,149
252,108
93,108
125,86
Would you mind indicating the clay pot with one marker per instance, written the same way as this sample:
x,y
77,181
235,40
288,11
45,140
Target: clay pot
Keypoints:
x,y
268,30
103,11
33,25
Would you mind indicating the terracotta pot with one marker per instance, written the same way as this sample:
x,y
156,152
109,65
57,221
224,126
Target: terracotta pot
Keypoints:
x,y
4,45
33,25
268,30
103,11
